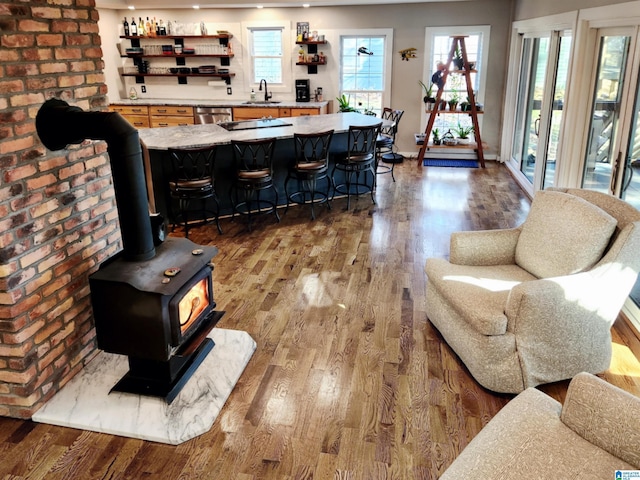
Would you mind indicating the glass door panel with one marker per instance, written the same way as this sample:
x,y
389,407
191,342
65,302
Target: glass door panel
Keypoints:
x,y
559,95
631,179
605,113
531,91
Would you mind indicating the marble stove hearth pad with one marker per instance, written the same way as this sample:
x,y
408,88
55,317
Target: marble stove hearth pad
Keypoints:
x,y
85,402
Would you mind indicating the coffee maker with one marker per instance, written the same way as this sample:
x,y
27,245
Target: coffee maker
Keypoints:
x,y
303,90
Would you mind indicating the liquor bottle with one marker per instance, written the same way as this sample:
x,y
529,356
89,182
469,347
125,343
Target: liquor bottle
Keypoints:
x,y
134,28
156,27
126,27
141,30
149,30
163,29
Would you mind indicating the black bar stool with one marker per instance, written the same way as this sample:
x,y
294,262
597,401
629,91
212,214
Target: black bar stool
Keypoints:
x,y
192,178
385,144
359,158
311,165
254,173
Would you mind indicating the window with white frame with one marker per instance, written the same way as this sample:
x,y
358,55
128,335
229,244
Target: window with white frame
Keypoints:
x,y
266,54
364,70
437,49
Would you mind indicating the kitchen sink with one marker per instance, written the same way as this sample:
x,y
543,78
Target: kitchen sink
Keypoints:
x,y
261,102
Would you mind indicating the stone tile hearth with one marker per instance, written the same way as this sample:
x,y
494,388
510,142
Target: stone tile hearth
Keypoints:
x,y
85,402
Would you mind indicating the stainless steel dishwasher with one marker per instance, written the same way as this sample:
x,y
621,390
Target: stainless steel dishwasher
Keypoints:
x,y
213,115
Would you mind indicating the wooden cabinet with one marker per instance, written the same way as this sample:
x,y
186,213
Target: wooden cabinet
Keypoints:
x,y
251,113
170,116
303,112
138,116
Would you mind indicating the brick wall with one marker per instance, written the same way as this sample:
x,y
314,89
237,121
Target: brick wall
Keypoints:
x,y
58,217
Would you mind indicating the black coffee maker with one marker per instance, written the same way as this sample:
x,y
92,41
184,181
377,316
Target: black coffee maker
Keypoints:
x,y
303,91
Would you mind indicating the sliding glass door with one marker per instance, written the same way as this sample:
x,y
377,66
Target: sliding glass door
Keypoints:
x,y
542,83
602,159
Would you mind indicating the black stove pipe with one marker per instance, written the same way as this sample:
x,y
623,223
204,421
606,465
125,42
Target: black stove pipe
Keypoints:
x,y
59,125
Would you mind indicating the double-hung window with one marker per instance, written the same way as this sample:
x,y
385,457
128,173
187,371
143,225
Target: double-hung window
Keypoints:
x,y
266,54
365,66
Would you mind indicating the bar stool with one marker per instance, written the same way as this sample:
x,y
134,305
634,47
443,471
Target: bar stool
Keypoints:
x,y
359,158
385,144
311,165
254,173
192,179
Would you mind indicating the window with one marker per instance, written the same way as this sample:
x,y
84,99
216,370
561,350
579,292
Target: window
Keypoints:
x,y
365,70
266,54
437,49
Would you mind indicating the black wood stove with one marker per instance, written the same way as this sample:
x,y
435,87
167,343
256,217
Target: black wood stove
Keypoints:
x,y
153,302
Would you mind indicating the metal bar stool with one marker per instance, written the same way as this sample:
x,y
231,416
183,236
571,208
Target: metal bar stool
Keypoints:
x,y
311,165
385,144
254,173
192,178
359,159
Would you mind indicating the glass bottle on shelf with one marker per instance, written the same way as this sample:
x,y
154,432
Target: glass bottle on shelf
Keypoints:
x,y
141,30
134,27
126,27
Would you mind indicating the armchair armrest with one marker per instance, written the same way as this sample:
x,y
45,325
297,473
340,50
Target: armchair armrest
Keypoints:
x,y
484,247
562,325
605,416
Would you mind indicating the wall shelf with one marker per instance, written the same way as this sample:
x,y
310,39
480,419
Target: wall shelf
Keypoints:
x,y
180,58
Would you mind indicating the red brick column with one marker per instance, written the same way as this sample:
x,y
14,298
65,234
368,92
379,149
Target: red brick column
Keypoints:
x,y
58,218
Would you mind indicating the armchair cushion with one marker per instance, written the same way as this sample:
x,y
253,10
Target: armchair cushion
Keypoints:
x,y
563,234
477,292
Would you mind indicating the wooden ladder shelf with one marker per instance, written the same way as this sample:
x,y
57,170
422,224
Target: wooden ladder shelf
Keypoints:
x,y
458,42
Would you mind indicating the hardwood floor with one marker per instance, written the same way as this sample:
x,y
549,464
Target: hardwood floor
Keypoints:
x,y
349,380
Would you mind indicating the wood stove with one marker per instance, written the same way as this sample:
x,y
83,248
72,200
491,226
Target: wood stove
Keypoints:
x,y
154,300
158,312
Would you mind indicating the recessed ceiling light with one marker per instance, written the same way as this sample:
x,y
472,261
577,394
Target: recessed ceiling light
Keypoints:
x,y
305,5
260,6
196,7
131,7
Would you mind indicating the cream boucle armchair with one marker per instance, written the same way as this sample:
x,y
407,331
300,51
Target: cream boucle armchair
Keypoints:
x,y
594,434
535,304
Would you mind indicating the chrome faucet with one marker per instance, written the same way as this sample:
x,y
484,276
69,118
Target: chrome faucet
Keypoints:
x,y
267,95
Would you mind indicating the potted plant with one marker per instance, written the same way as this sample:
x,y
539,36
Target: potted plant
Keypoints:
x,y
463,132
436,137
458,62
343,104
453,100
428,99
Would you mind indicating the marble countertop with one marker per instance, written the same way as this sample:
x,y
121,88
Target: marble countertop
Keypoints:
x,y
200,135
218,103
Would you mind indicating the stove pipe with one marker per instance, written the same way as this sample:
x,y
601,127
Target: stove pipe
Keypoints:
x,y
59,125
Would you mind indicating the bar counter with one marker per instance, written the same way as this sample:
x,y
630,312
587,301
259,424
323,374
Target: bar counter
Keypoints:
x,y
156,141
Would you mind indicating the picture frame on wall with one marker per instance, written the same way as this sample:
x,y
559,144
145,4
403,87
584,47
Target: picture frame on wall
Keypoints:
x,y
302,28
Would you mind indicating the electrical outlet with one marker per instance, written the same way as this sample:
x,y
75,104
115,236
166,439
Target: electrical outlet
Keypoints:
x,y
228,90
143,88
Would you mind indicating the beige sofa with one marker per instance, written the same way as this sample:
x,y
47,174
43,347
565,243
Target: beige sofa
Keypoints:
x,y
594,434
535,304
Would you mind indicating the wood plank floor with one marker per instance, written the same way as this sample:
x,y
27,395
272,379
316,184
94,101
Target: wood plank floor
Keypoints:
x,y
349,380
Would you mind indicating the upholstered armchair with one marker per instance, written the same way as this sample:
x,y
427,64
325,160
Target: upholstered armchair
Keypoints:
x,y
594,434
535,304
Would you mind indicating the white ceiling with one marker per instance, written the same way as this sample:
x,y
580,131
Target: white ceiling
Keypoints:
x,y
166,4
